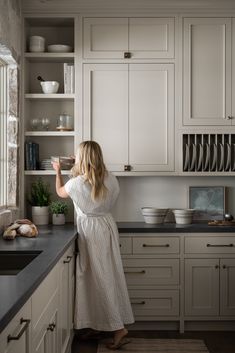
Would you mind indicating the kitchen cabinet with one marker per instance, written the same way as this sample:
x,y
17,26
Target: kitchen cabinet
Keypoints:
x,y
16,336
128,38
38,106
45,308
207,68
151,266
210,282
66,273
129,111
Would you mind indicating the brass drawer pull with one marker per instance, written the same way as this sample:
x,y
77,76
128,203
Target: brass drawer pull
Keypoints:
x,y
156,246
69,258
225,266
220,245
134,272
22,321
217,266
138,303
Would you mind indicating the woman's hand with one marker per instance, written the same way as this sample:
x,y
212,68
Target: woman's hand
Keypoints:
x,y
56,166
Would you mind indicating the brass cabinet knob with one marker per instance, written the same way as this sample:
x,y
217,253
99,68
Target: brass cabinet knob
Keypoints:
x,y
127,55
127,168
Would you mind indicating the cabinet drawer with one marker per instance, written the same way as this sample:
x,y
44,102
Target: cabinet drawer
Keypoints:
x,y
153,303
125,245
151,271
156,245
210,244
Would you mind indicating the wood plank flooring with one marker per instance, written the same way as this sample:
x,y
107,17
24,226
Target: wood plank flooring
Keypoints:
x,y
216,341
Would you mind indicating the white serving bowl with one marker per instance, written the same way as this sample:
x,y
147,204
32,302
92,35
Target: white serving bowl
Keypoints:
x,y
183,216
59,48
50,86
154,215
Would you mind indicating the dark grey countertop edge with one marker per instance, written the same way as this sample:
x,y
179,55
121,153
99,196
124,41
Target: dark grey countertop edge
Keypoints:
x,y
141,227
18,304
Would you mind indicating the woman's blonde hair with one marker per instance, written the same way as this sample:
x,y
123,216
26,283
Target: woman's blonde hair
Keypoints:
x,y
90,164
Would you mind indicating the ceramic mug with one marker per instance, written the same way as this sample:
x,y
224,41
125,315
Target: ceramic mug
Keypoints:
x,y
36,44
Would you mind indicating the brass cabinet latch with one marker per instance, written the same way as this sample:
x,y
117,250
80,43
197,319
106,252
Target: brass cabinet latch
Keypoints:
x,y
127,168
127,55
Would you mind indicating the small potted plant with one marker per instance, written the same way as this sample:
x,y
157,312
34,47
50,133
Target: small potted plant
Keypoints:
x,y
58,209
40,198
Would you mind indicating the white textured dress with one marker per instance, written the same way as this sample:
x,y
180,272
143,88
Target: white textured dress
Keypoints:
x,y
102,302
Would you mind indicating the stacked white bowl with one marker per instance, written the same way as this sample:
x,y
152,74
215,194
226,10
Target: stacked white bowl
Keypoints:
x,y
183,216
154,215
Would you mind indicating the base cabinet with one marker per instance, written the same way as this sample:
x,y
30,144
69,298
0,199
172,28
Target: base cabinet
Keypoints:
x,y
16,337
44,324
210,287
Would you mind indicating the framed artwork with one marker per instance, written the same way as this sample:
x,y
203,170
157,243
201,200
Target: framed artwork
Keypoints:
x,y
208,202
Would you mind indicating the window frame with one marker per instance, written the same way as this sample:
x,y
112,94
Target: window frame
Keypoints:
x,y
4,102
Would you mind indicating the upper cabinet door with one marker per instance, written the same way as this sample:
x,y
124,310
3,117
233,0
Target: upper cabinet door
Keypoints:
x,y
207,71
105,38
151,117
106,111
151,38
138,38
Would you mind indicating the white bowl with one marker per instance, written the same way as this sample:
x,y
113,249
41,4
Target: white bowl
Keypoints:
x,y
50,86
183,216
154,219
154,215
59,48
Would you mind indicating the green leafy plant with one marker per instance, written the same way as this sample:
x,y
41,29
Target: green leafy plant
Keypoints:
x,y
40,193
58,207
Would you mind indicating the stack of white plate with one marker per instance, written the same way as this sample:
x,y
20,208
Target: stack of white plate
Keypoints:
x,y
154,215
183,216
45,164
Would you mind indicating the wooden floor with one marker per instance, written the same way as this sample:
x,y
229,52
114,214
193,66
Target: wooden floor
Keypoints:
x,y
216,342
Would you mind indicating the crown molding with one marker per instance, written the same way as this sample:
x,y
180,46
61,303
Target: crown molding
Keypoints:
x,y
104,6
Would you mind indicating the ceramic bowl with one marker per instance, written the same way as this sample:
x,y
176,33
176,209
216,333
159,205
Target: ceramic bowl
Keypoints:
x,y
49,86
59,48
154,215
183,216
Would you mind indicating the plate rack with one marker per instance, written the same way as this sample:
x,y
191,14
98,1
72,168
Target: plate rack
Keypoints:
x,y
209,152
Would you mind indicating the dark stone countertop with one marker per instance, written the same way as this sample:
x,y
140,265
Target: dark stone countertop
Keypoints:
x,y
15,290
141,227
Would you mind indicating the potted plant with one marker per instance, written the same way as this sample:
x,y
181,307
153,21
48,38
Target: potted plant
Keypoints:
x,y
58,209
39,198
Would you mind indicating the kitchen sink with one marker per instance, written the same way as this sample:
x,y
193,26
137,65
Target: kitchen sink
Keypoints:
x,y
12,262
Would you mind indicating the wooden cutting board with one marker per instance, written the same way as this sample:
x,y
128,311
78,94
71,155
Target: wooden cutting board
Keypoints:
x,y
221,223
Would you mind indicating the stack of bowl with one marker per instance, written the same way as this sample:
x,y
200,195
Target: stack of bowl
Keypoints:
x,y
154,215
183,216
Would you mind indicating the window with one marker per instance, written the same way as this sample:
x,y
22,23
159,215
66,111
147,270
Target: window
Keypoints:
x,y
8,131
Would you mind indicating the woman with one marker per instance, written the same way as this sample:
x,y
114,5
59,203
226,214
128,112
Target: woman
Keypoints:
x,y
102,301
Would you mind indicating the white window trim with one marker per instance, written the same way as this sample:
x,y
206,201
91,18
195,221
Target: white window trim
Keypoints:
x,y
3,134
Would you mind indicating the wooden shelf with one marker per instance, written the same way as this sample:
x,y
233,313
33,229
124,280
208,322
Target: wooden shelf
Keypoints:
x,y
50,133
50,57
52,96
45,172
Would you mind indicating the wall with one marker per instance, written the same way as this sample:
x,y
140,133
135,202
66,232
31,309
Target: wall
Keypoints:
x,y
172,192
10,27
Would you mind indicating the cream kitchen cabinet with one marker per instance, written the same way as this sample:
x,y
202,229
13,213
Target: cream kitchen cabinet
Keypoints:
x,y
120,38
207,71
210,281
152,270
129,111
16,337
66,273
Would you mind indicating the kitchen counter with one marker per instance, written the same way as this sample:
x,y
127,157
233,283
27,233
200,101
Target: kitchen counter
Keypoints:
x,y
15,290
141,227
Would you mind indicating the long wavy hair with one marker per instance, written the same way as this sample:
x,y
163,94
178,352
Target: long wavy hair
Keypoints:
x,y
90,164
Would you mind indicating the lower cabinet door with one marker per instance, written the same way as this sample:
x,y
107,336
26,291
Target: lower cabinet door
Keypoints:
x,y
16,336
152,303
227,287
202,287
